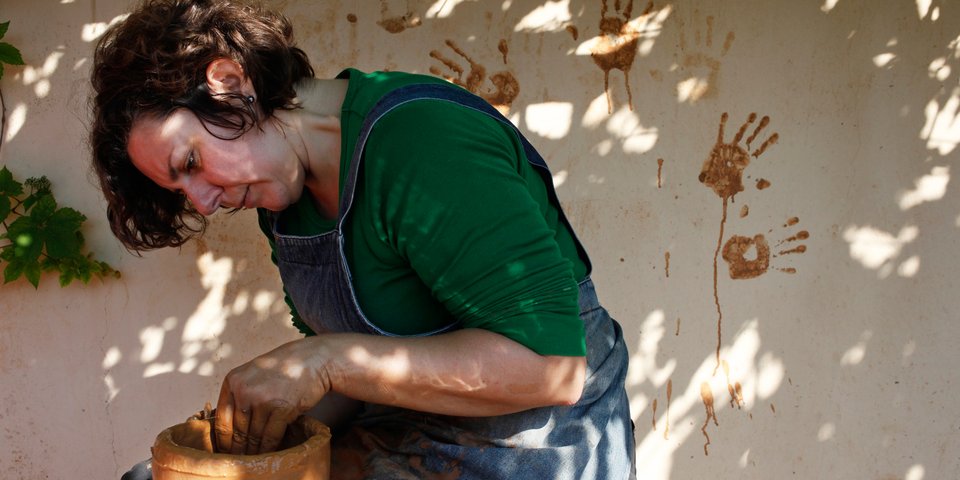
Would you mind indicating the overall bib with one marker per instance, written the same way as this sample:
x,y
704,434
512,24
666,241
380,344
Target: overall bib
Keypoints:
x,y
592,439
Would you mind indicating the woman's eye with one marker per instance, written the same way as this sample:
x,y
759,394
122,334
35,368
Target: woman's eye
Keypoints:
x,y
191,163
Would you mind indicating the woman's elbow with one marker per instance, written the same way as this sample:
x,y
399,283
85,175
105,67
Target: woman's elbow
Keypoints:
x,y
569,375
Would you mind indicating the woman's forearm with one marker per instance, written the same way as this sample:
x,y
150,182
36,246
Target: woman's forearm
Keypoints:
x,y
468,372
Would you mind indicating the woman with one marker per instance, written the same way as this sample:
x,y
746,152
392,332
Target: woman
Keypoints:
x,y
420,243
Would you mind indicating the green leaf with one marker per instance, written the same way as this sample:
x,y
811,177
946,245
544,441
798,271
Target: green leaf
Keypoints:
x,y
9,54
13,271
27,238
62,242
32,272
67,218
66,276
44,208
4,207
3,28
9,186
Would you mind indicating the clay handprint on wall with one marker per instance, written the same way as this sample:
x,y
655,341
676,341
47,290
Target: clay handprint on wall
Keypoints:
x,y
502,88
700,62
616,46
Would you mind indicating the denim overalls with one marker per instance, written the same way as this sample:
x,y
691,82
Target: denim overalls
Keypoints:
x,y
592,439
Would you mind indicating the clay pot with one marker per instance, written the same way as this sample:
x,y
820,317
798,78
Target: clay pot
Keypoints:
x,y
185,452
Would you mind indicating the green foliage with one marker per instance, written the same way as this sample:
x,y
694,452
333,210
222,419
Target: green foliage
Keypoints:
x,y
8,53
37,236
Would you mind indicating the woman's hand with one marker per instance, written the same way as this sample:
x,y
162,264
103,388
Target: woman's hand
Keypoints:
x,y
260,398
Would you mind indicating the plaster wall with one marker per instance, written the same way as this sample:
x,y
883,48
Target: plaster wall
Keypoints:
x,y
837,360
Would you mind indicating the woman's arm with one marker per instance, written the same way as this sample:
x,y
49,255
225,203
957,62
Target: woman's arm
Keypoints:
x,y
468,372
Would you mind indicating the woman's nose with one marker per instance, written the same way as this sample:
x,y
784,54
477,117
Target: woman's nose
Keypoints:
x,y
203,196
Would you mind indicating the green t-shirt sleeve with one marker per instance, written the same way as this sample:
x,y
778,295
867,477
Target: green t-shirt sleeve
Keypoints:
x,y
263,221
453,201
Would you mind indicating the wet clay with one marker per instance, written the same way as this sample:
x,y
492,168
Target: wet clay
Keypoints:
x,y
666,259
504,49
735,391
763,184
707,396
186,452
572,30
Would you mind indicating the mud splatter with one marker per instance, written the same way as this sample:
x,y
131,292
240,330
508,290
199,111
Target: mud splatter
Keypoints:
x,y
397,23
763,184
723,173
707,396
666,260
505,86
666,430
617,46
699,85
654,414
572,30
677,333
351,18
744,211
504,49
735,390
659,172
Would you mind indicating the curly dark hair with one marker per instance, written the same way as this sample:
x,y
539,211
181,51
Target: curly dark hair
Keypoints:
x,y
154,62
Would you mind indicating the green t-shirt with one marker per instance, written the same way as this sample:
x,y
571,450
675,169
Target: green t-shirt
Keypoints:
x,y
449,221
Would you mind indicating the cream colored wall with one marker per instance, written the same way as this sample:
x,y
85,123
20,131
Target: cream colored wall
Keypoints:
x,y
846,368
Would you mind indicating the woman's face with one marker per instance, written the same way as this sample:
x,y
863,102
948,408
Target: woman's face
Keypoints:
x,y
258,169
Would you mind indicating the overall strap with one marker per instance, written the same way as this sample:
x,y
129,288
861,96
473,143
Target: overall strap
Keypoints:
x,y
441,92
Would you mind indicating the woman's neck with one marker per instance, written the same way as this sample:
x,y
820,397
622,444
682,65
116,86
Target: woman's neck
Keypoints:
x,y
318,123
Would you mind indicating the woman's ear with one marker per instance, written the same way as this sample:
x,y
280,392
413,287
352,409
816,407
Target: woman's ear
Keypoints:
x,y
226,76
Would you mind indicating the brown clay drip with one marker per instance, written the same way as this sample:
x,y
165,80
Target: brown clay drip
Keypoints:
x,y
666,259
654,414
791,222
666,431
659,172
789,270
677,333
572,30
773,409
763,184
707,395
351,18
716,287
744,211
504,49
799,249
735,391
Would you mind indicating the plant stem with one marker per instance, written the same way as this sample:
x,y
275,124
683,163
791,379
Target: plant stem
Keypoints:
x,y
3,120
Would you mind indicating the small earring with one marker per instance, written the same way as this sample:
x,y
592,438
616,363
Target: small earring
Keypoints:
x,y
250,99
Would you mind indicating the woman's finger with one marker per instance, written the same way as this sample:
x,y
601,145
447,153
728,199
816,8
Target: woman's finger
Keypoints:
x,y
241,430
258,422
223,425
276,426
